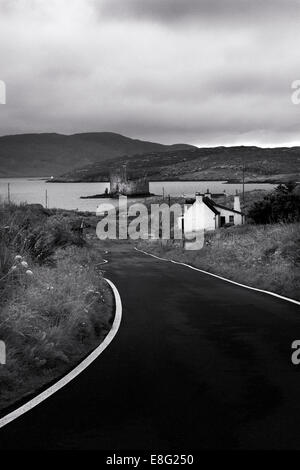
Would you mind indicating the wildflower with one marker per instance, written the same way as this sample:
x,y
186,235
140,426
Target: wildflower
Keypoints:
x,y
13,268
29,272
24,264
18,258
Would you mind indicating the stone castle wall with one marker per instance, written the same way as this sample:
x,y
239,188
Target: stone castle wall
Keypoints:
x,y
119,184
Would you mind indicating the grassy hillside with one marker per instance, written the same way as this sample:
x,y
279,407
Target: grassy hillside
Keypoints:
x,y
91,157
219,163
54,154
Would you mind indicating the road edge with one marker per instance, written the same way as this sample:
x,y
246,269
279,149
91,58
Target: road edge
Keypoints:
x,y
74,372
220,277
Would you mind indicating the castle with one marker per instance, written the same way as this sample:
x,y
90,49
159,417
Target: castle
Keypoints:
x,y
120,184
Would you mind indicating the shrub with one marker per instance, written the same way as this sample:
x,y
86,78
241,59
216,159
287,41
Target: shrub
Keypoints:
x,y
282,205
32,230
55,232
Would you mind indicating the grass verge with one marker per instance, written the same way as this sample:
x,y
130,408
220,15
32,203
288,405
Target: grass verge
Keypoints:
x,y
55,306
262,256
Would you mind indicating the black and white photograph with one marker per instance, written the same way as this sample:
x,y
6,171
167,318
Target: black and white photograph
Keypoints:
x,y
149,228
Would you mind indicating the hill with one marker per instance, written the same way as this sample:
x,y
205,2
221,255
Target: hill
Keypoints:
x,y
219,163
56,154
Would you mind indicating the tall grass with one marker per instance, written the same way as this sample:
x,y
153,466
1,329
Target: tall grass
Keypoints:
x,y
263,256
54,304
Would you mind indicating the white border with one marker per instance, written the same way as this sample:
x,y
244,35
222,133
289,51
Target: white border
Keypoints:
x,y
220,277
75,372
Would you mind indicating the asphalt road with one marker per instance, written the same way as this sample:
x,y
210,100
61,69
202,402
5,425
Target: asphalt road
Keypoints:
x,y
197,363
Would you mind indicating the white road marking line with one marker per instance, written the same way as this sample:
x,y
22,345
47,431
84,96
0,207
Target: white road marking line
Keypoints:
x,y
76,371
220,277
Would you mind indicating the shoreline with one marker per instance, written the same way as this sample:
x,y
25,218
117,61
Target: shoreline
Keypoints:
x,y
178,180
169,180
116,196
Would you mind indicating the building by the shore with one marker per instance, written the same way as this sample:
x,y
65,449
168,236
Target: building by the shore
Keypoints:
x,y
206,214
120,184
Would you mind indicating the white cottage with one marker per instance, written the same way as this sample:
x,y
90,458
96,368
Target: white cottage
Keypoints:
x,y
206,214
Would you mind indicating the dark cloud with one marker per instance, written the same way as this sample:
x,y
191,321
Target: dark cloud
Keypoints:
x,y
132,69
214,10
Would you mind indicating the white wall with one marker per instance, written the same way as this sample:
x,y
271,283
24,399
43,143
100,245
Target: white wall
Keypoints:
x,y
238,220
199,217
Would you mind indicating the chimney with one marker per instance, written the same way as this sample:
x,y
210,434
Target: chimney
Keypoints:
x,y
237,204
207,194
199,198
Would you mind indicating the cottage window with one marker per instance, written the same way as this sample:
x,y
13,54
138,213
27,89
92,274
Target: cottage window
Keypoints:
x,y
231,219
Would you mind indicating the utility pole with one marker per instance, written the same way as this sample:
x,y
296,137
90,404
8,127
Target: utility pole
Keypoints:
x,y
8,192
46,198
125,171
163,193
243,179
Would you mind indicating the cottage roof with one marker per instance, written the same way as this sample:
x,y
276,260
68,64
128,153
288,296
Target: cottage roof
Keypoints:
x,y
210,204
213,206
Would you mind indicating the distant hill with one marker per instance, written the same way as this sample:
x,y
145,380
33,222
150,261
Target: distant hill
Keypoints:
x,y
218,163
56,154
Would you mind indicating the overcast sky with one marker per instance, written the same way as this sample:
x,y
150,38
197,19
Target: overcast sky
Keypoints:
x,y
206,72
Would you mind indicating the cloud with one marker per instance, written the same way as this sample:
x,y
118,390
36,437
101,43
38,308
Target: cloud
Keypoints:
x,y
126,66
169,11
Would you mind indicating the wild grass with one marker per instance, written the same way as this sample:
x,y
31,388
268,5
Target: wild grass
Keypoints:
x,y
55,306
263,256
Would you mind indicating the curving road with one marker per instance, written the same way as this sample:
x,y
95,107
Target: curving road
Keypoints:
x,y
198,363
